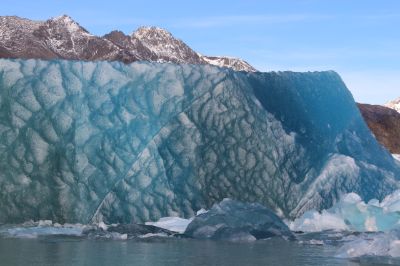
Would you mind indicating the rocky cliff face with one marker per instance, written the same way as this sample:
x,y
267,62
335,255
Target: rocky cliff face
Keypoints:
x,y
384,122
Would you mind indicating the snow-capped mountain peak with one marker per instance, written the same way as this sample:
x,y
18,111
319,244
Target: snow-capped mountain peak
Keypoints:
x,y
165,46
147,32
67,22
62,37
395,104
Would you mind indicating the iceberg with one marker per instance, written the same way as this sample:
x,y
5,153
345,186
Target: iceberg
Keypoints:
x,y
86,142
41,229
237,221
353,214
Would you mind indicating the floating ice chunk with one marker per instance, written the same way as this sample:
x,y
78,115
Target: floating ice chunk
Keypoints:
x,y
150,235
391,203
174,224
201,211
313,221
124,231
40,229
236,221
381,244
351,213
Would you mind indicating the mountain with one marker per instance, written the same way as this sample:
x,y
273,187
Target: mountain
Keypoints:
x,y
63,38
106,141
166,47
56,38
384,122
234,63
395,104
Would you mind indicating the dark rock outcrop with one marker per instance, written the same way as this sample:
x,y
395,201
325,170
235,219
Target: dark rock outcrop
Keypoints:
x,y
384,122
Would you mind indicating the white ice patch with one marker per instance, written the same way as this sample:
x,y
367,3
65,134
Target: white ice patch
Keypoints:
x,y
396,156
174,224
353,214
313,221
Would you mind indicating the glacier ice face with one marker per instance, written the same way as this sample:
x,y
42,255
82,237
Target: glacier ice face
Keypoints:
x,y
353,214
237,221
86,142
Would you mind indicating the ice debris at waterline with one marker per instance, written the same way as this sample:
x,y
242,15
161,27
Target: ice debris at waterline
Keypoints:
x,y
94,231
353,214
175,224
379,244
84,142
236,221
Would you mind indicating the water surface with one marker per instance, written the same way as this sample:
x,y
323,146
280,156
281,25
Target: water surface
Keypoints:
x,y
59,251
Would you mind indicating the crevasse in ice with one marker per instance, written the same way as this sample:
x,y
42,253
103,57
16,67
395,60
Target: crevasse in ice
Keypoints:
x,y
99,141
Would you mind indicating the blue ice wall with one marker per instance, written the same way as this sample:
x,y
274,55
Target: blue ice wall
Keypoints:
x,y
85,141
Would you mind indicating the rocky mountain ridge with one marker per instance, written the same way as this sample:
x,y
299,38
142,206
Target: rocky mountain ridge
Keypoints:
x,y
63,38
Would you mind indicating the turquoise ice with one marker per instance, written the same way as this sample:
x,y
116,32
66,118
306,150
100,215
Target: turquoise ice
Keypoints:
x,y
99,141
350,213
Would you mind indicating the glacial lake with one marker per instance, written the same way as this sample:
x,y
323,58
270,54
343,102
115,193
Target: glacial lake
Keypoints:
x,y
67,250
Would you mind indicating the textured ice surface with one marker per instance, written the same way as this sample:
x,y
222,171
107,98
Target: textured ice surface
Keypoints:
x,y
351,213
236,221
85,141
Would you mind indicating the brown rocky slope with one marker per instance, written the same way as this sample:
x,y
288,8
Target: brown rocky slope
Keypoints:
x,y
384,122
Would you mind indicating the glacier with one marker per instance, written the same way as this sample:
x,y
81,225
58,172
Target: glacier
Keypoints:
x,y
85,142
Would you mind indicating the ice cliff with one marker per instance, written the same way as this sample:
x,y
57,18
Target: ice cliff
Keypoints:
x,y
84,141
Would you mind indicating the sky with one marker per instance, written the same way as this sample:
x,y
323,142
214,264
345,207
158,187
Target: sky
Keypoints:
x,y
359,39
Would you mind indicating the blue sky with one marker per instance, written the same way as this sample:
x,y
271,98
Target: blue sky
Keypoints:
x,y
360,39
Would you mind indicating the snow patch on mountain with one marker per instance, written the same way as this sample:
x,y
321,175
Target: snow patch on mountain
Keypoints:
x,y
165,46
232,62
395,104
